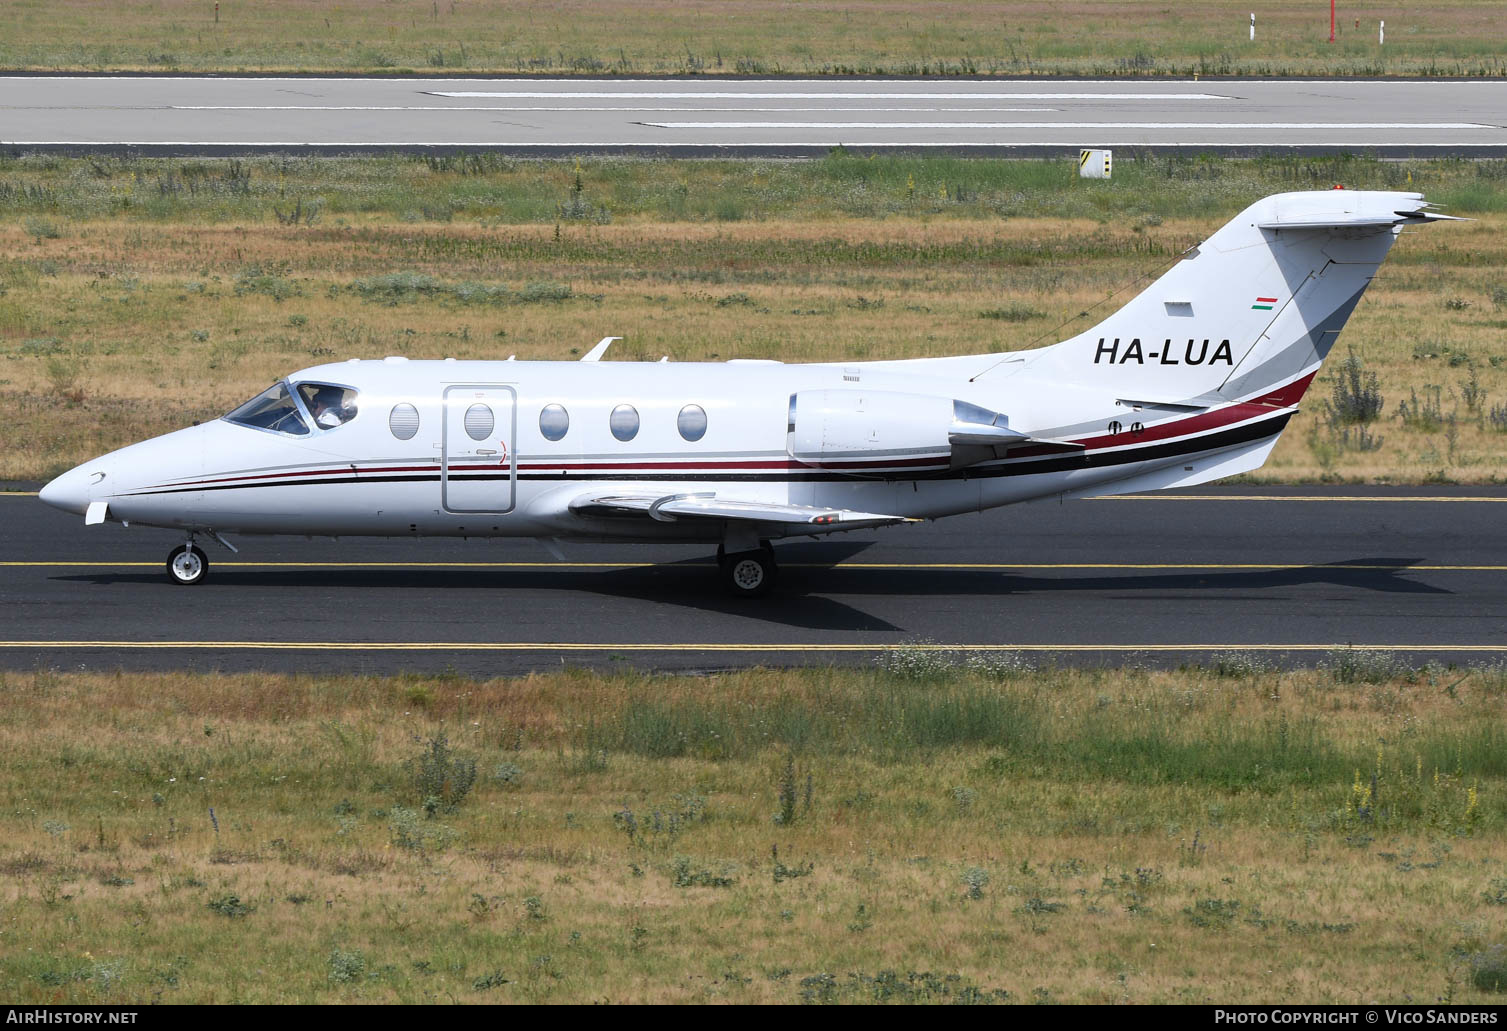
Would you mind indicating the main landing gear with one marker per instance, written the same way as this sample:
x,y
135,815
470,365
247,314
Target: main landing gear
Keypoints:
x,y
748,574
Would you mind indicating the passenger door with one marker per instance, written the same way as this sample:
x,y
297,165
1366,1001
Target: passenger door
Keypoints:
x,y
479,467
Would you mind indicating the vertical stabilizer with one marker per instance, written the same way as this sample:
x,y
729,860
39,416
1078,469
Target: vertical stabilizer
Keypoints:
x,y
1249,314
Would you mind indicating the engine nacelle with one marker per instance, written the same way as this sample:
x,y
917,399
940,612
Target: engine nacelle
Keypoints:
x,y
834,425
857,428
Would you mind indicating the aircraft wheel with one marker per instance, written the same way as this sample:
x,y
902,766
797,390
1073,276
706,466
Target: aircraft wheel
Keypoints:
x,y
186,565
750,574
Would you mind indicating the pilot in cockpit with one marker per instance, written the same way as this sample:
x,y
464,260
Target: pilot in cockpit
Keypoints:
x,y
328,407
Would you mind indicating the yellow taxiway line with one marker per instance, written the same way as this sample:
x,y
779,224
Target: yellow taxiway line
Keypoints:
x,y
1134,566
578,646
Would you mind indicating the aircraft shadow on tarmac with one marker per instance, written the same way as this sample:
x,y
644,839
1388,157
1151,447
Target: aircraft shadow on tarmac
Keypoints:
x,y
808,574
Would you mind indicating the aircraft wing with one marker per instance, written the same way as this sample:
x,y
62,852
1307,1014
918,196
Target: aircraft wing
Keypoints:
x,y
669,508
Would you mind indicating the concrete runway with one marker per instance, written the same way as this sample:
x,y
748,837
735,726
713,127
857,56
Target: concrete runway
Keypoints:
x,y
772,117
1161,580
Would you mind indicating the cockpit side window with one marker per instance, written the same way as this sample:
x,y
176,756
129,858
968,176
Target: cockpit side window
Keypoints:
x,y
273,409
330,405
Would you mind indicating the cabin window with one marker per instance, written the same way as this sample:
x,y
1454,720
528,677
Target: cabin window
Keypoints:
x,y
692,422
273,409
479,422
554,421
403,421
624,422
331,406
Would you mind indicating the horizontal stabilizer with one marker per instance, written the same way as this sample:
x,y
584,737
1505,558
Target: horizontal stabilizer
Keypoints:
x,y
1347,219
669,508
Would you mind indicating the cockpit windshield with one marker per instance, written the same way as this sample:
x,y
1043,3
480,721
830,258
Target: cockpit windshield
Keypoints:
x,y
330,405
273,409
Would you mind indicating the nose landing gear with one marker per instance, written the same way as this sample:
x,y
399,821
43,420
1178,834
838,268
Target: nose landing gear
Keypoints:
x,y
186,564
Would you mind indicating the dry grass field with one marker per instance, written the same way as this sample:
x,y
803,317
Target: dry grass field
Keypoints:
x,y
933,831
718,37
136,296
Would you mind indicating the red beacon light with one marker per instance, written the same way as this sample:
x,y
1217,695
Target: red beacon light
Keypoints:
x,y
1339,186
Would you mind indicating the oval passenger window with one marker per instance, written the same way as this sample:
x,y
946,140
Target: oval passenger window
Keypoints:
x,y
692,422
403,421
479,422
624,422
554,421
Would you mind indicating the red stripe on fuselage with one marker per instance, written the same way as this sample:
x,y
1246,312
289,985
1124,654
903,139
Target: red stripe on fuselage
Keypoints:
x,y
544,465
302,472
1286,397
1199,423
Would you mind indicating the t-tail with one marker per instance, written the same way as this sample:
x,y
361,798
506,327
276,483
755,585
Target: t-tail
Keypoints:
x,y
1249,314
1195,378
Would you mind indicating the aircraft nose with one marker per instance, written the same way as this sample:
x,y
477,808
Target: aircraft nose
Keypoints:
x,y
71,491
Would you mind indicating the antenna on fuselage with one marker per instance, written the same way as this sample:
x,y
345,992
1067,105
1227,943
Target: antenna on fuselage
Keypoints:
x,y
595,354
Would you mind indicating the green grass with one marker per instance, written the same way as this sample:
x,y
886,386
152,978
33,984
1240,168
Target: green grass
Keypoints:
x,y
500,190
933,830
1096,38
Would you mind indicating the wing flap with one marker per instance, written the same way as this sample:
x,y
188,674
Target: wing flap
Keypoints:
x,y
669,508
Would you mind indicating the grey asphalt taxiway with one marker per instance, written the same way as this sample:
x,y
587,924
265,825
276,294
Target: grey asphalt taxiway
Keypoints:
x,y
773,117
1160,579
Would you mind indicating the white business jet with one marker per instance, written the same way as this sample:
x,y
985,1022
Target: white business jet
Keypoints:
x,y
1192,380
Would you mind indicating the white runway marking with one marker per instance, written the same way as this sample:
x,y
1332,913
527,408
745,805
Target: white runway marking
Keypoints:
x,y
1069,125
802,95
321,107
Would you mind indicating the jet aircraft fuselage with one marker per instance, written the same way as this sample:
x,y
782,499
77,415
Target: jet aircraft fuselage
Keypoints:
x,y
1192,380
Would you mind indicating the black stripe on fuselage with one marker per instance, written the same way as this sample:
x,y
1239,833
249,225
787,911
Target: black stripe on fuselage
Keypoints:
x,y
1049,464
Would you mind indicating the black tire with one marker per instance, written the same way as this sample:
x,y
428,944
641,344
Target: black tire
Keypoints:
x,y
187,566
749,574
